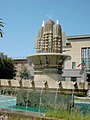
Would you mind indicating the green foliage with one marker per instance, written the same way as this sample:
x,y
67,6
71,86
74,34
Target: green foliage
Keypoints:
x,y
87,117
7,69
66,115
24,73
1,25
59,114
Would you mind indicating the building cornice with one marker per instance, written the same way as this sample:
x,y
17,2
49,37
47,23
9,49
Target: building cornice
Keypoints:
x,y
78,37
20,61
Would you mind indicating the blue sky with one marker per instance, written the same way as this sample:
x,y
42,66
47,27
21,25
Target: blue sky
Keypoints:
x,y
23,18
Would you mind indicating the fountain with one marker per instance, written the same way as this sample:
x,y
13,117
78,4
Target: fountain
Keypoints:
x,y
48,64
46,90
48,60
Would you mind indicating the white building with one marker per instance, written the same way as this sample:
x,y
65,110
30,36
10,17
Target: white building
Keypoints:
x,y
78,68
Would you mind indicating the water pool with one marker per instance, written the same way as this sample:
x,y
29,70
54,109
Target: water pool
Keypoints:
x,y
9,102
84,107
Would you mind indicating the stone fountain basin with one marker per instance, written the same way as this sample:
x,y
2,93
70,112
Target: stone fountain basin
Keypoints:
x,y
52,59
47,68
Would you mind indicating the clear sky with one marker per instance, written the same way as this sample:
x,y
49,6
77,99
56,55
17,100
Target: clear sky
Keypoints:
x,y
23,18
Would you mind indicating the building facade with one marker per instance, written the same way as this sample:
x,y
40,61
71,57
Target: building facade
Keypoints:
x,y
78,68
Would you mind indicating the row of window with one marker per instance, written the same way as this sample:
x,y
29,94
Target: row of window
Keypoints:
x,y
71,78
75,78
85,57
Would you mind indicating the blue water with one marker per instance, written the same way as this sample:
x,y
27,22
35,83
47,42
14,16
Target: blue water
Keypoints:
x,y
9,102
84,107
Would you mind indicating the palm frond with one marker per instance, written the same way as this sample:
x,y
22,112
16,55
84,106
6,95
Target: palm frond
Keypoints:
x,y
1,22
1,33
0,18
1,25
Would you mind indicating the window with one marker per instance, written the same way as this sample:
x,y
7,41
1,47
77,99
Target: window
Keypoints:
x,y
63,78
73,65
85,56
74,79
88,77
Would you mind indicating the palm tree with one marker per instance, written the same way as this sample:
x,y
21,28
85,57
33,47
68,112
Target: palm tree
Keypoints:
x,y
1,25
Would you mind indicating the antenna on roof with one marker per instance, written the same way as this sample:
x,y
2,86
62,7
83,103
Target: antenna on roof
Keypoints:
x,y
43,22
57,22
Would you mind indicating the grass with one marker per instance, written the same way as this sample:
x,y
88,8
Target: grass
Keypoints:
x,y
66,115
51,114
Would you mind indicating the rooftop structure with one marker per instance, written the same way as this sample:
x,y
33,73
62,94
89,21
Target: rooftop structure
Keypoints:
x,y
49,38
49,59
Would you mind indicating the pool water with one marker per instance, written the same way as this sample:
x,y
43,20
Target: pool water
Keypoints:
x,y
84,107
9,102
28,109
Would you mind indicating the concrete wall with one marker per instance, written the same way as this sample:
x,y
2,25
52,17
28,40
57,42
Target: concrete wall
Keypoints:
x,y
68,73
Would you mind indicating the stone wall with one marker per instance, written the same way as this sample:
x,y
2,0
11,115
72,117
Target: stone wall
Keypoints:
x,y
64,85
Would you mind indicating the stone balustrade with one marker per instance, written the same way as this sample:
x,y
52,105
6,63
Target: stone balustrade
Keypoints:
x,y
63,85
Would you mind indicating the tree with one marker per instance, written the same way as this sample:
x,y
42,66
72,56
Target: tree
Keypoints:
x,y
1,25
7,69
24,73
